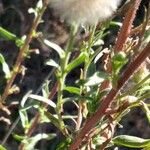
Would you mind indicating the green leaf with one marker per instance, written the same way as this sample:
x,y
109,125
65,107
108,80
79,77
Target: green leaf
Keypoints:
x,y
18,137
146,110
52,63
96,79
116,24
43,99
118,61
24,99
91,69
76,62
131,141
56,47
24,118
2,147
7,35
64,144
45,89
53,119
5,67
44,118
29,143
72,89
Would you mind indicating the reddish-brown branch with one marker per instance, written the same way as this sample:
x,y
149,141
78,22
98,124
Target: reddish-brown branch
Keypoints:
x,y
127,25
20,57
122,37
92,121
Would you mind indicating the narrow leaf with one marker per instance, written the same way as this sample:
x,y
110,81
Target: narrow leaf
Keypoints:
x,y
29,143
52,63
56,47
96,79
7,35
131,141
18,137
43,99
5,67
146,110
78,61
72,89
24,118
53,119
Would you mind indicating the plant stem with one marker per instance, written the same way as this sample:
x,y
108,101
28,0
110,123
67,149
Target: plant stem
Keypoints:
x,y
21,55
62,77
93,120
82,110
127,25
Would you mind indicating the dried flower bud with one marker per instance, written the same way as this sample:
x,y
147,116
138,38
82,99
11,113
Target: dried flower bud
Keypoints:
x,y
86,12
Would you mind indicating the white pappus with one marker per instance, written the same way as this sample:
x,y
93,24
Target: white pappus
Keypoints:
x,y
87,12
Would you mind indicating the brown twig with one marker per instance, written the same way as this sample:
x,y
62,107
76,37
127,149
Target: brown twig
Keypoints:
x,y
21,57
127,25
92,121
122,37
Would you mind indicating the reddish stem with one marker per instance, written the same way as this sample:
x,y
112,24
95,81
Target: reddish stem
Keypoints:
x,y
92,121
127,25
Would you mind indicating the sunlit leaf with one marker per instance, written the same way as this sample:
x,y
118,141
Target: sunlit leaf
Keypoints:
x,y
56,47
5,67
100,54
39,4
131,141
96,79
29,143
7,35
146,110
18,137
115,23
72,89
52,63
98,42
43,99
2,147
24,118
24,99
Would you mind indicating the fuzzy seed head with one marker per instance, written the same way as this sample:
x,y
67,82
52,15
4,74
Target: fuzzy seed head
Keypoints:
x,y
87,12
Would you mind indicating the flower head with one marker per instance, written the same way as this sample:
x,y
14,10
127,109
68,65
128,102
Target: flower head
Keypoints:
x,y
84,11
